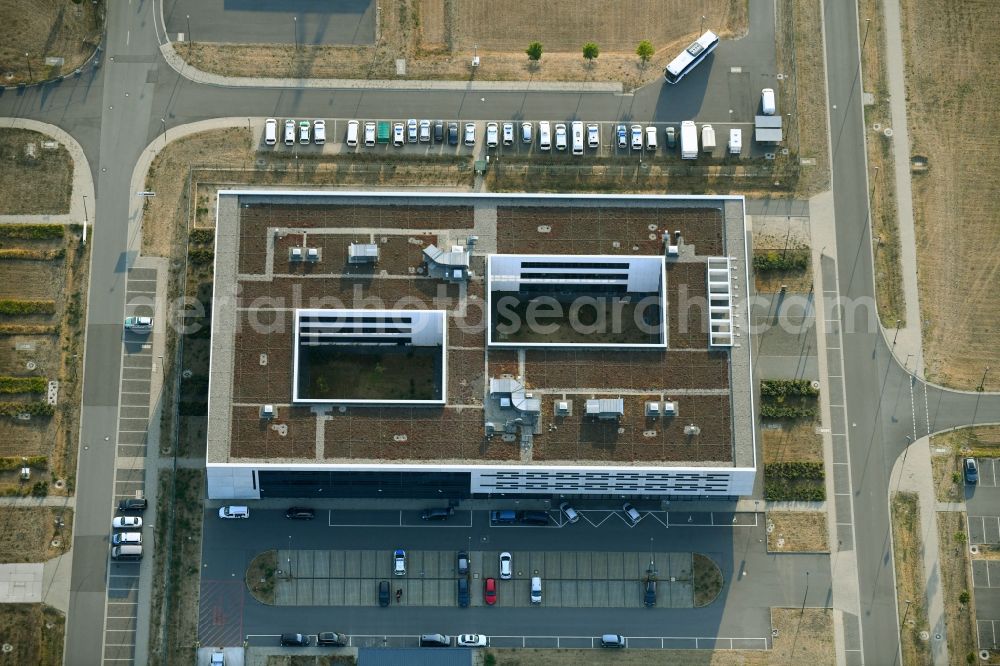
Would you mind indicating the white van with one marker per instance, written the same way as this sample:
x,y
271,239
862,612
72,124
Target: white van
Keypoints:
x,y
536,590
577,137
735,141
126,553
232,512
767,101
270,131
544,136
370,133
127,538
352,133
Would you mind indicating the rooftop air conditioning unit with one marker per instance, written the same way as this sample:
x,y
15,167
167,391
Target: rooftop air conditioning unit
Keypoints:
x,y
267,411
673,251
295,254
692,430
670,408
652,409
312,254
562,407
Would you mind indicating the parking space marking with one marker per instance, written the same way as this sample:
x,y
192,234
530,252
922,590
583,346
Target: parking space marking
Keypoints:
x,y
987,634
550,641
984,529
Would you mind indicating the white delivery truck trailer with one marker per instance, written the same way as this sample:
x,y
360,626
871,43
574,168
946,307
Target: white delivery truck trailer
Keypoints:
x,y
735,141
689,140
707,138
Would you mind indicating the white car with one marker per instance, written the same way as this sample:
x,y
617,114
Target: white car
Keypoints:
x,y
470,134
303,131
492,135
370,134
561,136
398,134
651,138
399,562
425,131
526,132
139,324
631,513
411,130
593,135
289,132
508,134
127,523
505,566
472,640
270,131
636,131
319,131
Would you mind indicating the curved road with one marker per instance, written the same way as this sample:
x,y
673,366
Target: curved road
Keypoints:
x,y
115,111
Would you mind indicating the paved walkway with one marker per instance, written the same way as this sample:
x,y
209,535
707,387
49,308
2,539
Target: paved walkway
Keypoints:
x,y
910,338
198,76
912,473
82,202
51,500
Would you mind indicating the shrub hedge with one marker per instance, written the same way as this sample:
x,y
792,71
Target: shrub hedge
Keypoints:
x,y
17,462
32,231
16,307
772,411
28,329
23,384
788,260
779,388
31,255
12,409
794,481
202,235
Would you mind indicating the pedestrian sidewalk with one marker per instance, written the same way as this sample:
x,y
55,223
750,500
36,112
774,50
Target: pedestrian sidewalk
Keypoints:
x,y
198,76
907,346
83,181
49,500
912,473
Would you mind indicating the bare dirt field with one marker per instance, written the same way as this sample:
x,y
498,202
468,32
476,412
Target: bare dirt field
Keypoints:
x,y
797,532
792,441
906,551
43,28
956,578
36,633
32,535
954,122
33,179
437,38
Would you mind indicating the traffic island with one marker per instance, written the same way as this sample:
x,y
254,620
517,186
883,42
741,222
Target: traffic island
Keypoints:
x,y
261,576
708,580
911,597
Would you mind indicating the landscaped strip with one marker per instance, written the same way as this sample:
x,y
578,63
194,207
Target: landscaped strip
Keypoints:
x,y
956,582
911,597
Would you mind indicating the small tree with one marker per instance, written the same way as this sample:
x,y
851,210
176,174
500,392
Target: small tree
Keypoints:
x,y
645,51
534,51
591,51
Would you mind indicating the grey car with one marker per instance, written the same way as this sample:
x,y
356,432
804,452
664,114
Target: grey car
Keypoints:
x,y
453,134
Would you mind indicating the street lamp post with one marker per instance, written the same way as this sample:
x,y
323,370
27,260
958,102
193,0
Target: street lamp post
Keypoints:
x,y
703,24
898,322
982,382
163,123
188,16
874,181
295,31
868,24
289,555
28,61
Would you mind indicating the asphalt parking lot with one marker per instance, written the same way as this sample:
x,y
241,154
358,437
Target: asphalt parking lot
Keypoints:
x,y
584,579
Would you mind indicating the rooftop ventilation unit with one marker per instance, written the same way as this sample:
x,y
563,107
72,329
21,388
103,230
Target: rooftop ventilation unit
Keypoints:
x,y
362,253
692,430
720,302
267,411
652,409
562,407
295,254
312,254
606,408
670,408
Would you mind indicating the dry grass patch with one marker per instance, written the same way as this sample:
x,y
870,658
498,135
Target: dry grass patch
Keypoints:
x,y
793,441
949,484
437,38
35,631
956,199
31,534
800,56
33,180
797,532
956,579
977,441
884,216
805,636
260,576
43,28
906,549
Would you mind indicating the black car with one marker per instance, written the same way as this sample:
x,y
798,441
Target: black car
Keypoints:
x,y
463,563
453,134
383,593
300,513
133,504
533,517
296,640
463,592
440,513
438,131
649,596
331,638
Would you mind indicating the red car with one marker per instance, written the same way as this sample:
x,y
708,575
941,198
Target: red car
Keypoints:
x,y
490,591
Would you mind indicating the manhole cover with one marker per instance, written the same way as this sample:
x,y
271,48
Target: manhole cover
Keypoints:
x,y
877,126
56,543
187,374
60,483
924,635
31,365
7,647
887,131
984,655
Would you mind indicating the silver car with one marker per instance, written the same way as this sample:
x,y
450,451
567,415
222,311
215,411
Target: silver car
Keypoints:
x,y
561,136
508,134
411,130
636,137
470,134
425,131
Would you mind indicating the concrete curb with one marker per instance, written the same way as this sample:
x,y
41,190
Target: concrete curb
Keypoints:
x,y
191,73
83,182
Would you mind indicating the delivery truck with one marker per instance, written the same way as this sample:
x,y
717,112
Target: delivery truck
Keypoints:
x,y
384,131
707,138
689,140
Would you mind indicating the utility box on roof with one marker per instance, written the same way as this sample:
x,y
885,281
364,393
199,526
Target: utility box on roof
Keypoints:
x,y
606,408
362,253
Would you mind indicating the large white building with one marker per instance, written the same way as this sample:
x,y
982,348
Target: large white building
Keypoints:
x,y
459,345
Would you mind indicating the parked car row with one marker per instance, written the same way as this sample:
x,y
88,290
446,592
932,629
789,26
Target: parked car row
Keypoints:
x,y
303,132
126,530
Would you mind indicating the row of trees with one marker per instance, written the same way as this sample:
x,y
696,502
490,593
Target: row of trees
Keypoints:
x,y
644,50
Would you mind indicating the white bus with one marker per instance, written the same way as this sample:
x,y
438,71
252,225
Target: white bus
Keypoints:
x,y
689,59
